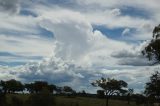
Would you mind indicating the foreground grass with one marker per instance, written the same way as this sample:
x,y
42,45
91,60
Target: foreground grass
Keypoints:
x,y
75,101
85,101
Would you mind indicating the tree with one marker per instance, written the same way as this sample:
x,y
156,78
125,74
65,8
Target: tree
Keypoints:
x,y
152,88
29,87
68,89
156,32
100,93
12,86
152,50
130,92
36,87
3,87
39,85
110,86
83,92
52,88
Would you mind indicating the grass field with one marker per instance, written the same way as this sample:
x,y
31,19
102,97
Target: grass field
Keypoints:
x,y
76,101
84,101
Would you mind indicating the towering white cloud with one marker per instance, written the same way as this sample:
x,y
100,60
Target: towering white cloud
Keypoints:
x,y
80,54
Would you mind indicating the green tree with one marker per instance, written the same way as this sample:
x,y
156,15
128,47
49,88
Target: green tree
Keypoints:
x,y
152,88
29,87
39,85
12,86
68,89
152,50
110,86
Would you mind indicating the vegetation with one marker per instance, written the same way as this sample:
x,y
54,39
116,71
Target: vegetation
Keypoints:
x,y
152,50
23,99
11,86
111,87
129,94
152,89
43,94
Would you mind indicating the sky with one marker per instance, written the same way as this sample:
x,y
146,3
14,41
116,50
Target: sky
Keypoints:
x,y
75,42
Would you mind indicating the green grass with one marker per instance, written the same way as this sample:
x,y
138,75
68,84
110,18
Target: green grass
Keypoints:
x,y
75,101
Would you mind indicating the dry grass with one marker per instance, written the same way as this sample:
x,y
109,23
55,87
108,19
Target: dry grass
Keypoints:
x,y
77,101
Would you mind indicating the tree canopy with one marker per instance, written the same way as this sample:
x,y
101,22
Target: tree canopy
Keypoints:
x,y
38,86
12,86
111,86
153,86
152,50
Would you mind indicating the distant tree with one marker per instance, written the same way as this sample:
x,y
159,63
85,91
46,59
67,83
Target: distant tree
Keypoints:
x,y
29,87
39,85
12,86
152,50
152,88
3,87
52,88
68,89
59,90
110,86
83,92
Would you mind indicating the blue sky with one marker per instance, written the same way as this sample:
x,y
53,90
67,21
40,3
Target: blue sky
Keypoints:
x,y
72,42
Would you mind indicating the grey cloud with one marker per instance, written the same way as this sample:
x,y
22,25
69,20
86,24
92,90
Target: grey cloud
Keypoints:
x,y
11,6
53,71
123,53
131,58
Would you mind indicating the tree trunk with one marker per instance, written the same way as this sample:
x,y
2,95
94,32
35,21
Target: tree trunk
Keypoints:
x,y
128,99
107,100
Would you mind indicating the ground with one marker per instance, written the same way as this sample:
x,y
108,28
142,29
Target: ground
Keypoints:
x,y
76,101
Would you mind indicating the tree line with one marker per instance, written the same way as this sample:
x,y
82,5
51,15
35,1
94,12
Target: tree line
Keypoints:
x,y
14,86
110,88
40,93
